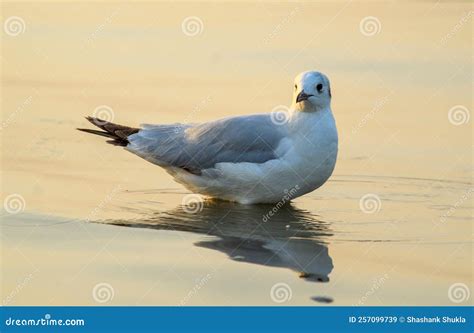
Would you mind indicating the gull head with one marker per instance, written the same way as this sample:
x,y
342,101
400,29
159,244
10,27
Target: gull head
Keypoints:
x,y
312,92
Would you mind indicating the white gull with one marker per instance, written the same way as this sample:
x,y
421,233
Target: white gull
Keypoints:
x,y
262,158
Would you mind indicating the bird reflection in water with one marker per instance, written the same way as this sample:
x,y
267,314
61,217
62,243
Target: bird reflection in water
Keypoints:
x,y
288,237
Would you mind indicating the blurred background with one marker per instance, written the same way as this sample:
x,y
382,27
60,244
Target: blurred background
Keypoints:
x,y
401,80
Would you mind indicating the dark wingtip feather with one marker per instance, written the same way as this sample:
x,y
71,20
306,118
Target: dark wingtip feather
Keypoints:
x,y
98,122
117,142
118,133
91,131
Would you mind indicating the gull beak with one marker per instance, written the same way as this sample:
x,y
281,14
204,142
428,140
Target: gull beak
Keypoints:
x,y
302,96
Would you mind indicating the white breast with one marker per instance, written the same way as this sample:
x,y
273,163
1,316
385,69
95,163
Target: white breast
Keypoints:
x,y
313,149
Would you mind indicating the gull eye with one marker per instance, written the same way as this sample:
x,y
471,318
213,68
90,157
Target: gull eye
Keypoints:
x,y
319,87
296,87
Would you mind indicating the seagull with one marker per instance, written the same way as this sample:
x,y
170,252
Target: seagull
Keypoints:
x,y
262,158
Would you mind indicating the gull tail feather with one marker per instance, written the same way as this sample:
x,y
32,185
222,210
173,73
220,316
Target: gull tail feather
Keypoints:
x,y
117,133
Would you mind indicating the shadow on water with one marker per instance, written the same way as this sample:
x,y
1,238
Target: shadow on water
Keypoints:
x,y
288,237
